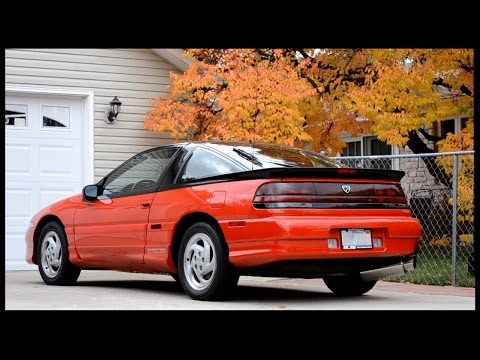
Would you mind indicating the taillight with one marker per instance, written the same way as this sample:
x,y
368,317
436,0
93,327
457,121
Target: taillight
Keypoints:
x,y
285,194
389,193
329,194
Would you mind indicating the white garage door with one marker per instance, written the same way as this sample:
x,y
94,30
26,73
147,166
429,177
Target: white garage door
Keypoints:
x,y
43,162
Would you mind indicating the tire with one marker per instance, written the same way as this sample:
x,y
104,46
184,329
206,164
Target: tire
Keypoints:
x,y
175,277
52,255
348,285
204,269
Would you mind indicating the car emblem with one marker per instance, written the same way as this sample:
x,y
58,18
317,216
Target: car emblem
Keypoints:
x,y
346,188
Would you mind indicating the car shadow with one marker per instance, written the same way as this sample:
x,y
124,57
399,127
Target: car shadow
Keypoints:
x,y
242,293
249,293
171,287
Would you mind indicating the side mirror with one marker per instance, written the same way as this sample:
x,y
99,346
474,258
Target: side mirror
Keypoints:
x,y
90,192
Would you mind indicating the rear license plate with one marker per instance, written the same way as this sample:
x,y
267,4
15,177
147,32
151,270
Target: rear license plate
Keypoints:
x,y
356,239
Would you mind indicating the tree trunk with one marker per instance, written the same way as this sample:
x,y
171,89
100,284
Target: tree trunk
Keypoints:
x,y
417,146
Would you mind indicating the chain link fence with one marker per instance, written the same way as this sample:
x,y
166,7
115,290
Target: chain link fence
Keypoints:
x,y
439,189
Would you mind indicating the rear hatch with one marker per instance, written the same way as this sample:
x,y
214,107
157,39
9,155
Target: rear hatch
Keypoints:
x,y
329,188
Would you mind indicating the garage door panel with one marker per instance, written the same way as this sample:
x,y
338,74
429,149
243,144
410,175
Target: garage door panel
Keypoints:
x,y
18,202
20,163
19,205
23,199
59,161
43,162
17,251
48,196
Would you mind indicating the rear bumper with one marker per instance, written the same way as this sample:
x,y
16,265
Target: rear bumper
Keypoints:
x,y
257,242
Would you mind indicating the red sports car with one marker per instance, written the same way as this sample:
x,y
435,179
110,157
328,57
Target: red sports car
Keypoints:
x,y
209,212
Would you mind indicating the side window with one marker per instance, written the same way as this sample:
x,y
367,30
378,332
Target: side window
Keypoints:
x,y
140,174
203,163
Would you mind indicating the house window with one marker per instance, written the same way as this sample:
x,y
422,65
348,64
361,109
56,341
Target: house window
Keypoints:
x,y
447,126
453,126
373,146
353,148
376,147
367,146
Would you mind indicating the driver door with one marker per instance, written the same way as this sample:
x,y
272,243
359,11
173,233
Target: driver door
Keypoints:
x,y
112,228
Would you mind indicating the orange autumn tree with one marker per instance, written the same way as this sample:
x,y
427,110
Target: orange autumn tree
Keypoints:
x,y
395,93
239,96
250,94
391,93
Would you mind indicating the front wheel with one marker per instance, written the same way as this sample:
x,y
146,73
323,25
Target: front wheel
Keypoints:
x,y
348,285
52,256
204,269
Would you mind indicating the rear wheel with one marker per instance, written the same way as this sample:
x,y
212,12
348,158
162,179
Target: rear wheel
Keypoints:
x,y
348,285
52,256
204,269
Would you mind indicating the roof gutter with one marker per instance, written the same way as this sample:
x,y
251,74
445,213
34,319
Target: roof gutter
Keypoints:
x,y
174,57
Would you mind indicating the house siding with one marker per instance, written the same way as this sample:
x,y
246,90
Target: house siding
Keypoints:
x,y
133,75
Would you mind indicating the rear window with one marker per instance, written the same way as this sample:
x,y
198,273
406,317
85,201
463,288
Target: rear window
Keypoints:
x,y
269,156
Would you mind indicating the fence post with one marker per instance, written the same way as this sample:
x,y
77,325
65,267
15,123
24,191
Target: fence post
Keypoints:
x,y
454,220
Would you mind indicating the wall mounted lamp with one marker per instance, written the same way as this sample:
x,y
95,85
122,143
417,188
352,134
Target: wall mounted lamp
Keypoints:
x,y
112,114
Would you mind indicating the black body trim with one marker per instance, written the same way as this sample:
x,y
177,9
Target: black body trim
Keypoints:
x,y
321,268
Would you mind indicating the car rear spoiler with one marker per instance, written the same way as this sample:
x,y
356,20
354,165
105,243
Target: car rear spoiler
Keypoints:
x,y
308,172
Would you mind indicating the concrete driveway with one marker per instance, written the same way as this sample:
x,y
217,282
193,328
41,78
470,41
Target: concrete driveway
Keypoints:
x,y
104,290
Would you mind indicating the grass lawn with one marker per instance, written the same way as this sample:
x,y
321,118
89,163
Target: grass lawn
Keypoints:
x,y
434,267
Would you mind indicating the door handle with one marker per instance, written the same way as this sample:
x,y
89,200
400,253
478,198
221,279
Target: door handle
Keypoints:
x,y
145,205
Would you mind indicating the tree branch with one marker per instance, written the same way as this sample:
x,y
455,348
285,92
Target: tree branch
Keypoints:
x,y
417,146
430,137
440,82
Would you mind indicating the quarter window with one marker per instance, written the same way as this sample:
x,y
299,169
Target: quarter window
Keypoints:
x,y
203,163
140,174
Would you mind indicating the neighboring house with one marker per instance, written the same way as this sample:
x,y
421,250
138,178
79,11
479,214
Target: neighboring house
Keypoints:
x,y
417,176
56,137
